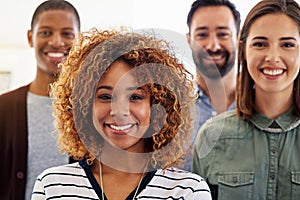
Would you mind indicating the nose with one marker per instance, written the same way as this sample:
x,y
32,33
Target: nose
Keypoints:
x,y
119,109
273,55
213,43
56,40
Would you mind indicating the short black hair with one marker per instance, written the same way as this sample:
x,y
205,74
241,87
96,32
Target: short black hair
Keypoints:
x,y
54,5
204,3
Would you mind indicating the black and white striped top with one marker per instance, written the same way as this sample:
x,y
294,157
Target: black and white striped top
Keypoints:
x,y
76,181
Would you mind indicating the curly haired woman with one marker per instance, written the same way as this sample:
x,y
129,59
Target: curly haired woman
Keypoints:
x,y
123,106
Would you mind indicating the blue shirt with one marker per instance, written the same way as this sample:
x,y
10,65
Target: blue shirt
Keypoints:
x,y
204,111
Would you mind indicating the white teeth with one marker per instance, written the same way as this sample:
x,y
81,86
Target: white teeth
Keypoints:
x,y
121,128
216,57
55,55
272,72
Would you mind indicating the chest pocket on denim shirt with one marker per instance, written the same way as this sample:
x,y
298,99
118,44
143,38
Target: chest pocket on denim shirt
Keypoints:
x,y
295,177
235,185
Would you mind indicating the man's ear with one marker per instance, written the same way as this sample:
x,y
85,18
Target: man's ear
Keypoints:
x,y
188,38
29,38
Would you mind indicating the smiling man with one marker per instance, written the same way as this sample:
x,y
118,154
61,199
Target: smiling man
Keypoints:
x,y
213,30
26,123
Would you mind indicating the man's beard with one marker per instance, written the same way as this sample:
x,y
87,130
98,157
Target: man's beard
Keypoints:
x,y
213,70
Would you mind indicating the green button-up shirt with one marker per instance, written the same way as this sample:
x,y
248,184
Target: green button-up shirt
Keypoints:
x,y
244,160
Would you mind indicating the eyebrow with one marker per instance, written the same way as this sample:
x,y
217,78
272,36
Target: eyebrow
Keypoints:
x,y
288,38
206,28
44,27
281,39
68,29
135,88
110,88
104,87
49,27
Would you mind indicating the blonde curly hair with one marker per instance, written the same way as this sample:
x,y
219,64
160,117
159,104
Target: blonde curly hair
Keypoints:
x,y
168,82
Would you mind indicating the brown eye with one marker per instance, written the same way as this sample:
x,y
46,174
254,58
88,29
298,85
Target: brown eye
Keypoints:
x,y
104,97
202,35
44,33
288,45
223,35
70,35
135,97
259,44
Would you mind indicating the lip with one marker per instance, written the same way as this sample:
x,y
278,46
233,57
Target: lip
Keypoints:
x,y
56,56
214,58
120,129
272,73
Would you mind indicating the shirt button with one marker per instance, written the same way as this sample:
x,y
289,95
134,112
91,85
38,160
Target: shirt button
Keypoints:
x,y
273,150
234,179
272,175
20,175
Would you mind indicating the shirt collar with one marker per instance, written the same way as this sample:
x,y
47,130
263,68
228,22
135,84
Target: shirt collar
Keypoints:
x,y
283,123
202,97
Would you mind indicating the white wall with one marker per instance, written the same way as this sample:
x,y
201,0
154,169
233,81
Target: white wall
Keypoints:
x,y
17,57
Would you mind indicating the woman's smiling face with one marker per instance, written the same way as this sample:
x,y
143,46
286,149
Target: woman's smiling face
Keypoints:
x,y
121,109
272,53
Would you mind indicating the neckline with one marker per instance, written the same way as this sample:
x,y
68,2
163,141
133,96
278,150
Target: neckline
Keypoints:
x,y
147,178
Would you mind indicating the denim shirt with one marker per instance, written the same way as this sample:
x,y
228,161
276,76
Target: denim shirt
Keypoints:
x,y
204,111
259,159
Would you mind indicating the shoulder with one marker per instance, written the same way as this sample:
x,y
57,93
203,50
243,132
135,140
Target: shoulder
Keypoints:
x,y
217,129
21,90
14,94
64,182
62,171
175,173
226,124
227,116
174,183
13,106
183,179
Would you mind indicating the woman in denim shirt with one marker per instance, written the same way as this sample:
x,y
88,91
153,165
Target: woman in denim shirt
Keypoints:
x,y
253,153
